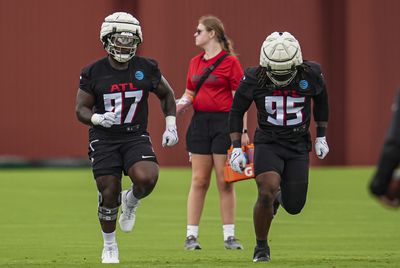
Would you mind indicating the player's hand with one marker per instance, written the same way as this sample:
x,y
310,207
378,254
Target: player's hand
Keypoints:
x,y
321,147
170,136
238,160
183,104
105,120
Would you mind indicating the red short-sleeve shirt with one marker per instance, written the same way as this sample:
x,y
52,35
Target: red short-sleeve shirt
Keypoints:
x,y
215,95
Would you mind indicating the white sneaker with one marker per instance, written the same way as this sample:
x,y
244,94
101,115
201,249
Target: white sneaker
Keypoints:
x,y
110,254
127,217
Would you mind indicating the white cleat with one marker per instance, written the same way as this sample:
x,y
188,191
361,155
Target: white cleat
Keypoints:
x,y
110,254
128,214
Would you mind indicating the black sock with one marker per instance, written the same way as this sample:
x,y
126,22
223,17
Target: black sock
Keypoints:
x,y
262,243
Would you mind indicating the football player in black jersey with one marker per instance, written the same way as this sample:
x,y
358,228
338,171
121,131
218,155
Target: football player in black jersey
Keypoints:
x,y
112,99
282,87
388,162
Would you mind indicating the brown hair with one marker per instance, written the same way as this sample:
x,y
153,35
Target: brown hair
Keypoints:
x,y
212,23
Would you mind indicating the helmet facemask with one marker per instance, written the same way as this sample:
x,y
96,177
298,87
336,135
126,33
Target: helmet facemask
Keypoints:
x,y
282,78
122,46
280,55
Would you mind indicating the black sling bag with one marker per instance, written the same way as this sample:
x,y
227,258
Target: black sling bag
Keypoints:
x,y
208,71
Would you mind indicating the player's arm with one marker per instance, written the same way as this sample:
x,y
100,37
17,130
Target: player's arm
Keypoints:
x,y
167,99
240,105
245,140
84,105
83,110
321,115
321,112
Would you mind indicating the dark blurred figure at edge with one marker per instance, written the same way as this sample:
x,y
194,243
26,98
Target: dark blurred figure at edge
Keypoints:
x,y
389,160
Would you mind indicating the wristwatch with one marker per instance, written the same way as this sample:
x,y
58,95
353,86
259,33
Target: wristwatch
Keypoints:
x,y
244,130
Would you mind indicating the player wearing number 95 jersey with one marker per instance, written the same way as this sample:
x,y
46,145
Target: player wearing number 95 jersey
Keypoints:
x,y
282,88
112,100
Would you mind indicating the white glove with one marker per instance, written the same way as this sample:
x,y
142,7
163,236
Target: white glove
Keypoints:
x,y
321,147
105,120
183,103
238,160
170,136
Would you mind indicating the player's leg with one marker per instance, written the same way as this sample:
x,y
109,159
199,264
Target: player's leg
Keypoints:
x,y
268,167
144,176
294,183
109,188
107,170
140,164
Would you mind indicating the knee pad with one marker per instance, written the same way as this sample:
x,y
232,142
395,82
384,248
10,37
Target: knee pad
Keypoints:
x,y
105,213
108,214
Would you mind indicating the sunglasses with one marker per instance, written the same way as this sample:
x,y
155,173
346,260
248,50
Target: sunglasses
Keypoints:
x,y
198,31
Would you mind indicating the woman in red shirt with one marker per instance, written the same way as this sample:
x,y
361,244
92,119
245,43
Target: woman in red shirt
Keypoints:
x,y
207,138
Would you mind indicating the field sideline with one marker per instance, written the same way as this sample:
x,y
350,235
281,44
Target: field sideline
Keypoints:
x,y
49,220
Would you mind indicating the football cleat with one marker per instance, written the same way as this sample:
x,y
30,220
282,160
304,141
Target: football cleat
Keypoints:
x,y
261,254
128,214
191,243
110,254
232,243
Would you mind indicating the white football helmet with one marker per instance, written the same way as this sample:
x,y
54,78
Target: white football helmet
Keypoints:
x,y
280,54
121,34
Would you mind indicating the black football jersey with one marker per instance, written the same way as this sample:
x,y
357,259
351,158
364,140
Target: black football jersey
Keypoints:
x,y
283,113
124,92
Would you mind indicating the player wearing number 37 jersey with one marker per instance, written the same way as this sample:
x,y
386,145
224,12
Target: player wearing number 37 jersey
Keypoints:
x,y
112,100
283,88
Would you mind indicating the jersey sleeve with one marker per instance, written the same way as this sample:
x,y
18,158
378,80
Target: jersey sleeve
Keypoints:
x,y
241,103
236,74
85,81
321,104
155,73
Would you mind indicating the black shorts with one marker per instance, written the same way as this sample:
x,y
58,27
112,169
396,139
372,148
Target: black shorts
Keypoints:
x,y
208,133
293,166
114,156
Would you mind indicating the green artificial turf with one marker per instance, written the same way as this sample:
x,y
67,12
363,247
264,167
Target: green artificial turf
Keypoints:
x,y
48,219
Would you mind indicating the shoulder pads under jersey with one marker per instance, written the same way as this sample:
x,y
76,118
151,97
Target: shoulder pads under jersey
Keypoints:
x,y
309,79
250,76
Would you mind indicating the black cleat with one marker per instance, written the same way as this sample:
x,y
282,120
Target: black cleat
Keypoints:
x,y
261,254
191,243
232,243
